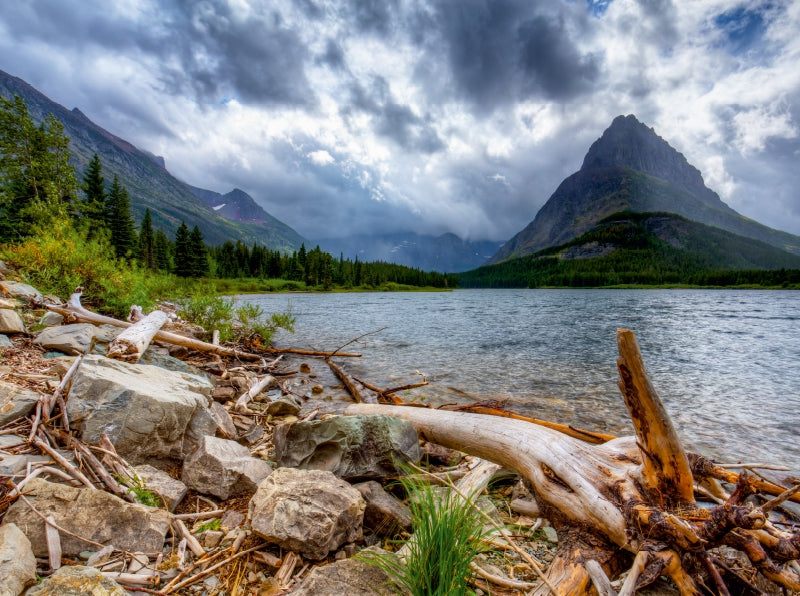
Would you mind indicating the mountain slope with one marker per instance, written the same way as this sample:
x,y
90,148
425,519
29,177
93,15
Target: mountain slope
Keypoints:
x,y
630,168
149,183
445,253
641,248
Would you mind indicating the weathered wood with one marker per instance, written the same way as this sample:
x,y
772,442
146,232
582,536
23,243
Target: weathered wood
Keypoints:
x,y
133,341
246,397
53,539
354,388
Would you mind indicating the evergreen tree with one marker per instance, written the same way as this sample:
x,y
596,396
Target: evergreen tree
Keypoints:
x,y
147,256
161,250
92,208
118,220
183,258
199,254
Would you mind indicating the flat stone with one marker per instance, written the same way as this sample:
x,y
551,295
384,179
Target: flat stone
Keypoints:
x,y
77,580
69,339
15,402
223,420
441,455
384,515
21,291
5,342
146,411
232,519
17,563
283,406
352,447
89,513
158,356
310,512
223,468
106,333
350,576
169,489
51,319
10,321
16,464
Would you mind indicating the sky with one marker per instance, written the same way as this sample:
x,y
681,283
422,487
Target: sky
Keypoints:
x,y
462,116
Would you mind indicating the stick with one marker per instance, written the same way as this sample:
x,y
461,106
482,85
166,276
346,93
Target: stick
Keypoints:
x,y
64,384
244,398
169,589
191,541
62,462
599,578
353,387
639,563
99,469
501,581
133,341
53,543
199,515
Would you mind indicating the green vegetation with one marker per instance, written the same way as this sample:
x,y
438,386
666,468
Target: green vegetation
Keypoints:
x,y
447,532
646,249
212,524
136,485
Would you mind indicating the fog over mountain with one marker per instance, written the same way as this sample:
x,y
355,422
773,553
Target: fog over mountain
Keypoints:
x,y
459,116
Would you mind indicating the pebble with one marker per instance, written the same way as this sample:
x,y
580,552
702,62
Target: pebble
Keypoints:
x,y
305,368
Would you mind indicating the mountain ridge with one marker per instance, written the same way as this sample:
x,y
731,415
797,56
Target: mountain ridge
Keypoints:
x,y
631,168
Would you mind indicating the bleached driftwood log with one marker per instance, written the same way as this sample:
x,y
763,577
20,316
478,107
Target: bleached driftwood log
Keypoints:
x,y
133,341
631,496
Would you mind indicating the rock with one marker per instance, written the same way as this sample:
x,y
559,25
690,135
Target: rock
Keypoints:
x,y
11,303
223,468
76,580
158,356
441,455
350,576
51,319
4,270
70,339
89,513
305,368
162,484
10,321
146,411
212,538
223,420
12,465
283,406
231,519
223,394
5,342
306,511
15,402
21,291
17,563
106,333
352,447
317,389
384,514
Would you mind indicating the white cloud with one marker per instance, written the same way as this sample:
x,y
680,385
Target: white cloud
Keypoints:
x,y
320,157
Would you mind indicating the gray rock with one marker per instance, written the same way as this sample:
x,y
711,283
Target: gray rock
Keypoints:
x,y
17,563
70,339
158,356
89,513
76,580
51,319
232,519
307,511
223,420
15,402
4,268
13,465
351,576
352,447
21,291
5,342
146,411
165,486
384,515
10,321
223,468
283,406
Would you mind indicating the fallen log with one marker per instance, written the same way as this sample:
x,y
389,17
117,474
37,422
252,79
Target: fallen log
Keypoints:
x,y
629,500
354,388
131,343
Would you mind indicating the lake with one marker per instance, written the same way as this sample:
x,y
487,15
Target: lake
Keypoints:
x,y
726,363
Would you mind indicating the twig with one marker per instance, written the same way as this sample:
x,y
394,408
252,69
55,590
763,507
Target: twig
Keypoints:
x,y
202,574
336,351
722,589
759,466
53,543
599,578
639,563
191,541
199,515
62,461
784,496
500,580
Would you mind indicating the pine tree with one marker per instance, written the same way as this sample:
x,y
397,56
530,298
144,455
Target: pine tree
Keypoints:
x,y
92,208
199,254
118,220
161,250
183,258
147,256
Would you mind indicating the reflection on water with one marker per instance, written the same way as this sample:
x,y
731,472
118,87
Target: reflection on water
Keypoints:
x,y
724,362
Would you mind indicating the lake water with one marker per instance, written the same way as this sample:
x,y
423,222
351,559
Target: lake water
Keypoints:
x,y
726,363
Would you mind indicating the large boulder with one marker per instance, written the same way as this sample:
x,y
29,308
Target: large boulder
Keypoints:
x,y
146,411
17,563
306,511
351,576
352,447
77,580
70,339
15,402
384,515
223,468
21,291
10,321
89,513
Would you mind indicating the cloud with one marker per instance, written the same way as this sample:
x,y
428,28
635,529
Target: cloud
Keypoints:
x,y
320,157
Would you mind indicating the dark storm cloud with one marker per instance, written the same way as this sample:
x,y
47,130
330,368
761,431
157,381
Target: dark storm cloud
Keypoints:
x,y
393,120
501,51
333,56
372,16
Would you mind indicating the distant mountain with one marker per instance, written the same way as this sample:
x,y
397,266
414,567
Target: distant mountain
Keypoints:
x,y
446,253
645,248
145,176
631,168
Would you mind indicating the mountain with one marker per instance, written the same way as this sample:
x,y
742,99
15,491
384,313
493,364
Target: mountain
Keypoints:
x,y
631,168
145,176
645,248
446,253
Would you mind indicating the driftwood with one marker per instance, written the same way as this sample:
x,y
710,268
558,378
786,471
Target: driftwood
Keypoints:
x,y
73,310
628,503
354,388
246,397
133,341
